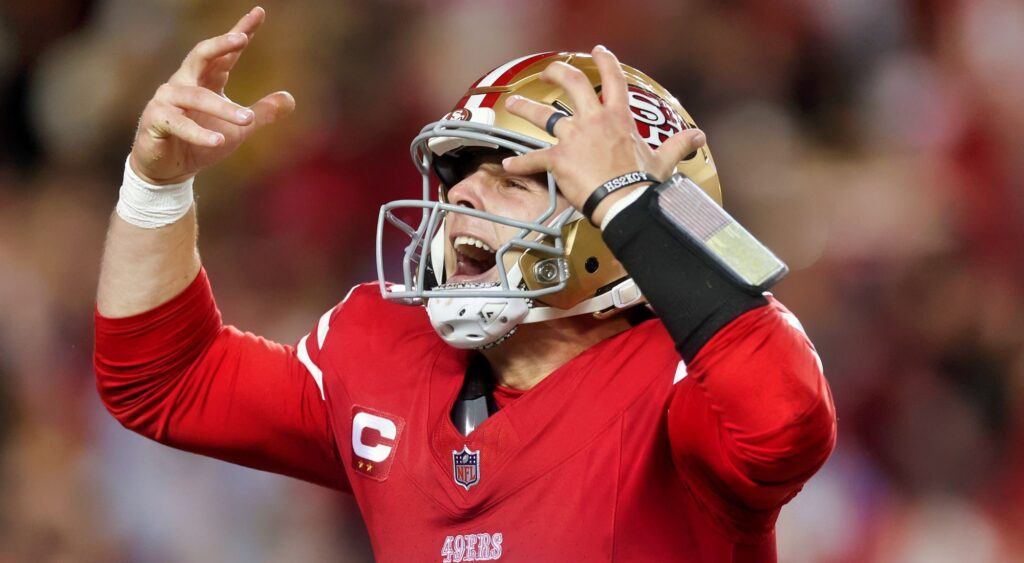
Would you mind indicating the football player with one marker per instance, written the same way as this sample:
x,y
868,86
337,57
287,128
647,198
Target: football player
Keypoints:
x,y
580,362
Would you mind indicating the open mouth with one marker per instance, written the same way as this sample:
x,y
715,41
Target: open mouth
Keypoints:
x,y
474,260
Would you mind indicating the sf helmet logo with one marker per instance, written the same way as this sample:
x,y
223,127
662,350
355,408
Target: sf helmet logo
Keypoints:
x,y
656,121
461,114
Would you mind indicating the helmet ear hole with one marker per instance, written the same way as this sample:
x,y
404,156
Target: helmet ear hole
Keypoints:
x,y
591,265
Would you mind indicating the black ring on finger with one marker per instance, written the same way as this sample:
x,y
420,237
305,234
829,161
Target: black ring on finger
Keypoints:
x,y
550,126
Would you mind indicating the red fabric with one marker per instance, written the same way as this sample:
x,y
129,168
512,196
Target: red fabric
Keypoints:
x,y
610,458
179,376
503,396
758,390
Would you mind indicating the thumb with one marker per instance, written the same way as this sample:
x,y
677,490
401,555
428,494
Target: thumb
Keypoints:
x,y
271,108
675,149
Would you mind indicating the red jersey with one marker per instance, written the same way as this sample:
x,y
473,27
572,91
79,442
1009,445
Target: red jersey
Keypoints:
x,y
622,454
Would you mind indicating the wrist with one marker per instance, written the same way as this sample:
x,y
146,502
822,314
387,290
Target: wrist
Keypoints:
x,y
609,203
136,168
621,203
605,195
151,206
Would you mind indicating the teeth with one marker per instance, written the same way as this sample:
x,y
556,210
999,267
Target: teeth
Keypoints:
x,y
470,285
465,240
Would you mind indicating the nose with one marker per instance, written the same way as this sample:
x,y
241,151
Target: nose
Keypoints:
x,y
468,192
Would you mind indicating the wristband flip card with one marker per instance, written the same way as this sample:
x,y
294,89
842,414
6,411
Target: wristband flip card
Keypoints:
x,y
716,235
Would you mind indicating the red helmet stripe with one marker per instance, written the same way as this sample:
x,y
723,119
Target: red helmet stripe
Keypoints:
x,y
501,76
511,73
505,77
490,99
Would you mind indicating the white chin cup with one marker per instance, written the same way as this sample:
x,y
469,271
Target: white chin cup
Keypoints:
x,y
475,322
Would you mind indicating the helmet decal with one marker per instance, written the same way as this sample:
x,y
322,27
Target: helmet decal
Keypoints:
x,y
460,114
656,121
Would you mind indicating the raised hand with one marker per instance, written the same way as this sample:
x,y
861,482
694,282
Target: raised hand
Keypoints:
x,y
600,141
190,123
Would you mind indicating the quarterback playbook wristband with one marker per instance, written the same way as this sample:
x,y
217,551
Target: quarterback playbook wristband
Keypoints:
x,y
150,206
700,223
611,186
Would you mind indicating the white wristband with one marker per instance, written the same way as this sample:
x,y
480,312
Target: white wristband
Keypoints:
x,y
148,206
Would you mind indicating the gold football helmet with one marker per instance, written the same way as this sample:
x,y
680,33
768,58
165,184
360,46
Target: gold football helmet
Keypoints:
x,y
558,264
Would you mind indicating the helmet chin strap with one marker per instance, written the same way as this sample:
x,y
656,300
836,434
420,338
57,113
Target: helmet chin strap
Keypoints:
x,y
624,295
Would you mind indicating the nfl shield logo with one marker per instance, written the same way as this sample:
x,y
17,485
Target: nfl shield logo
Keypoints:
x,y
467,467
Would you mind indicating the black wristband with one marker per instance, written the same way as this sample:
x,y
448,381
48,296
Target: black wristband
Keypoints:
x,y
610,187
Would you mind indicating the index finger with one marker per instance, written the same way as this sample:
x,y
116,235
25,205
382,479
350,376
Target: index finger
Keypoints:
x,y
201,57
250,22
221,52
248,25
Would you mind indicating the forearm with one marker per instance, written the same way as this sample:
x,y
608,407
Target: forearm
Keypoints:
x,y
188,125
692,299
143,268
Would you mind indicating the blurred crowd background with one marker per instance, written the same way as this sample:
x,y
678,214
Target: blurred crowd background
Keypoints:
x,y
876,145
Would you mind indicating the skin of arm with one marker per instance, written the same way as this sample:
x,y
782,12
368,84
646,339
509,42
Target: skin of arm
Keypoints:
x,y
188,125
143,268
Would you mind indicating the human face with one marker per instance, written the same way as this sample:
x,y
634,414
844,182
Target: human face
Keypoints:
x,y
471,242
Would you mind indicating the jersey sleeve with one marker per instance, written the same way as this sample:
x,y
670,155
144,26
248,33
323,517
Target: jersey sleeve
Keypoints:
x,y
178,375
754,418
754,421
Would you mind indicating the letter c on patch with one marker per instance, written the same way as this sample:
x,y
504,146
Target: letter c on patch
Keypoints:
x,y
375,451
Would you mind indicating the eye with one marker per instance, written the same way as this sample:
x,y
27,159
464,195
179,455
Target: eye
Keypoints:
x,y
514,183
